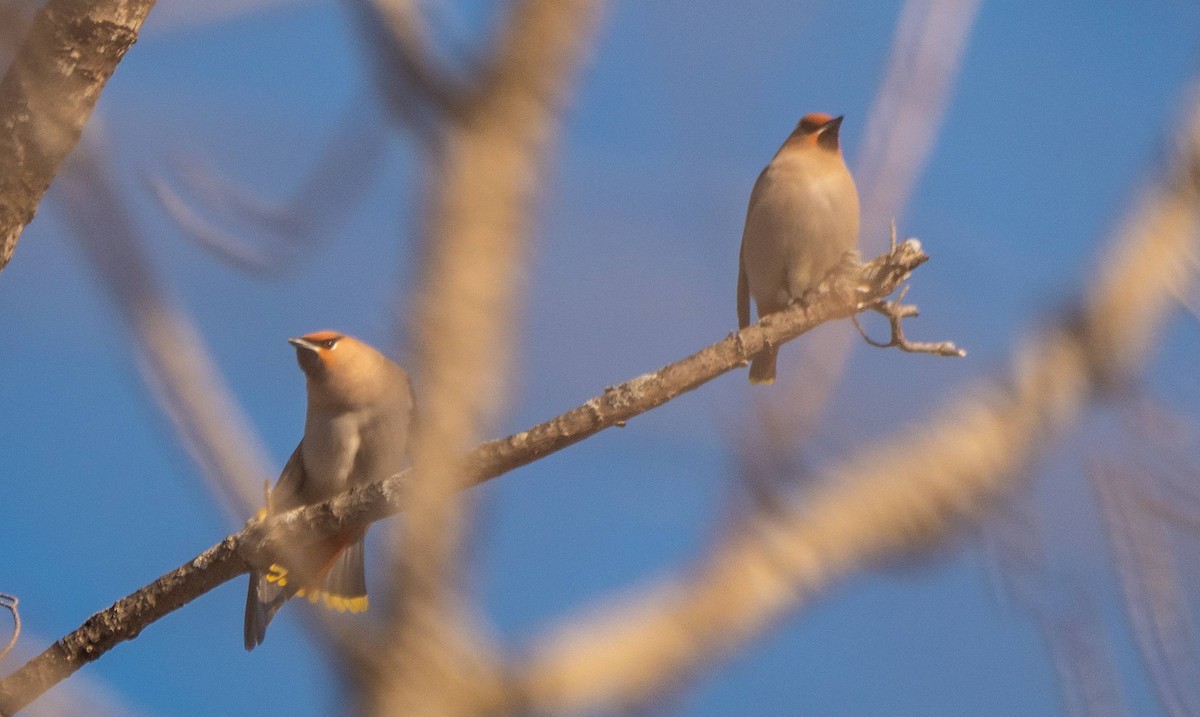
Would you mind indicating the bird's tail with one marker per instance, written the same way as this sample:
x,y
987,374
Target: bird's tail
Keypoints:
x,y
266,594
762,367
344,588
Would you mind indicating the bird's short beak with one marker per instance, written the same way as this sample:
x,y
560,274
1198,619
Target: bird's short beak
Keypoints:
x,y
303,344
833,124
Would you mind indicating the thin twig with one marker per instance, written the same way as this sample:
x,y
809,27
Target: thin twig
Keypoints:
x,y
9,602
896,313
172,356
907,113
1151,587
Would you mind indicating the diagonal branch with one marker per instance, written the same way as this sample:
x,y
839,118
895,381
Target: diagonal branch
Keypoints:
x,y
890,498
48,93
126,618
173,360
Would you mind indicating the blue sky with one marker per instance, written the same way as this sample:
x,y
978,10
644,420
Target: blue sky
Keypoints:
x,y
1056,120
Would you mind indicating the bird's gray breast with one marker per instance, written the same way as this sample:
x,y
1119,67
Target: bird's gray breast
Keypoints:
x,y
331,444
802,219
350,448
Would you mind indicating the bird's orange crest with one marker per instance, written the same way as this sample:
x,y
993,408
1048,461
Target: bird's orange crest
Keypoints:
x,y
813,121
317,337
815,129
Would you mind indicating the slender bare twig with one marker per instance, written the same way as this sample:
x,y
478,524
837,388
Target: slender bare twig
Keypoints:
x,y
1150,579
903,124
420,92
1084,663
48,93
420,95
202,203
1071,631
895,312
10,602
888,498
173,358
126,618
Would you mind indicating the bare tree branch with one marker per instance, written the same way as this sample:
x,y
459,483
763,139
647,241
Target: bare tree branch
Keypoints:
x,y
48,93
125,619
204,201
418,93
891,497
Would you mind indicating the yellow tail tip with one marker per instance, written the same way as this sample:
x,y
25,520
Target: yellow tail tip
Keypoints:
x,y
341,603
761,381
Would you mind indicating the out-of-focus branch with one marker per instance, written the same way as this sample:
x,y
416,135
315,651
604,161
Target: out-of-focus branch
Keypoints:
x,y
202,203
47,95
902,127
173,359
9,602
125,619
904,121
1071,629
418,90
419,95
891,497
1085,666
1151,585
486,175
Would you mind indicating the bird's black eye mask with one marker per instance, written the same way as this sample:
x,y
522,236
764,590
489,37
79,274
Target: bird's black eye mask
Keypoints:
x,y
808,126
310,362
828,138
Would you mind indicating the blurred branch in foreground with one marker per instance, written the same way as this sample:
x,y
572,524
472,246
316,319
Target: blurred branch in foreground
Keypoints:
x,y
486,174
1151,582
1064,613
201,202
418,93
126,618
173,358
888,498
904,121
902,127
47,95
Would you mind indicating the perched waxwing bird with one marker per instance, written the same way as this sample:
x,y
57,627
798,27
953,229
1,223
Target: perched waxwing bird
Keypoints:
x,y
360,407
802,219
